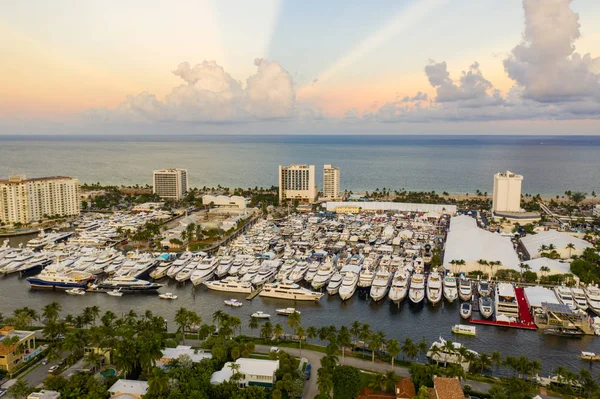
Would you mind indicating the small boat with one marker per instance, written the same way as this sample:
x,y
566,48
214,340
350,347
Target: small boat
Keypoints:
x,y
167,295
465,289
286,311
115,293
260,315
486,307
591,356
564,332
76,291
233,303
466,310
464,330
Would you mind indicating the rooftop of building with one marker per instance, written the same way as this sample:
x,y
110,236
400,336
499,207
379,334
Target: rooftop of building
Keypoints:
x,y
560,240
18,179
368,393
555,266
44,394
170,170
508,173
129,386
447,388
195,355
537,295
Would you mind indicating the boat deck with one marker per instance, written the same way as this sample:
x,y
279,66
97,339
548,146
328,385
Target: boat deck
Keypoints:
x,y
526,320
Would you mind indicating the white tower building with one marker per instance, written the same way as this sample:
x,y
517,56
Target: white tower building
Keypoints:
x,y
297,182
170,183
331,182
507,192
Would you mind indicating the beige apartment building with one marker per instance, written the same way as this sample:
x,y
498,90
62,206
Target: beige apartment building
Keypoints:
x,y
507,192
170,183
297,182
331,182
25,200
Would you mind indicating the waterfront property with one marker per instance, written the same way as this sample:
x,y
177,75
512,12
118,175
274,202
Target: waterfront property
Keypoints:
x,y
25,200
195,355
331,182
297,182
254,372
170,183
15,347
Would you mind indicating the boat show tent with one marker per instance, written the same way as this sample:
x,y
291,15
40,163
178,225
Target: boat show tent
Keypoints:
x,y
468,242
537,295
560,240
555,266
394,206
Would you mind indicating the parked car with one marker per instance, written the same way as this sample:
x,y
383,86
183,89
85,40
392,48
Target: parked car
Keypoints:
x,y
307,371
2,392
53,368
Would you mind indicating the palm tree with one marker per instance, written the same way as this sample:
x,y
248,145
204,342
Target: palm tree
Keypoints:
x,y
570,246
422,347
266,331
324,382
393,348
278,330
379,382
534,368
19,389
301,334
545,270
496,358
94,359
311,332
182,319
253,324
364,333
355,329
447,348
219,316
50,312
344,339
390,380
158,383
293,321
409,348
375,344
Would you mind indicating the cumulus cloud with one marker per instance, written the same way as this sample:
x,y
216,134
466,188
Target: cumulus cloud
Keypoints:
x,y
545,63
420,96
211,95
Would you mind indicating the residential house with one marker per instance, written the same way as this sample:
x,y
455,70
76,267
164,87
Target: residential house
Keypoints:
x,y
446,388
254,372
16,347
128,389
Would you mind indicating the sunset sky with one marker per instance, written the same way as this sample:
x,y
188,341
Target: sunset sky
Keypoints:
x,y
402,66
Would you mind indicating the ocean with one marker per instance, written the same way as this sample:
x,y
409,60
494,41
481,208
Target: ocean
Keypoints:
x,y
456,164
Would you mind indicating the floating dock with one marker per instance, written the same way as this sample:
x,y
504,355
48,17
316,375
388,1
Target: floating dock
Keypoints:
x,y
254,294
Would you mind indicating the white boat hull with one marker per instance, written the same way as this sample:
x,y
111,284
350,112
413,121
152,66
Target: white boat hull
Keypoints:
x,y
416,295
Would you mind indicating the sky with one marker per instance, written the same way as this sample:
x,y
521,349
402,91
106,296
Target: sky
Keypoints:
x,y
274,66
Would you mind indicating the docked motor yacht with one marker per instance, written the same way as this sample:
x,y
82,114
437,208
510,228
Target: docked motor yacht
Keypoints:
x,y
334,284
186,273
348,287
260,315
161,270
400,286
313,267
381,283
265,275
52,277
289,291
486,307
434,287
224,266
579,298
230,284
236,265
75,291
204,271
299,271
324,274
506,301
465,289
286,311
466,310
592,293
130,284
179,264
565,296
416,293
286,269
483,288
450,289
168,295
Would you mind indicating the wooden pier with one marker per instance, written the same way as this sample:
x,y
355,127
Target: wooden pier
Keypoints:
x,y
254,294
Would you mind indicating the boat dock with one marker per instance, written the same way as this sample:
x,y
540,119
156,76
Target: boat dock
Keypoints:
x,y
254,294
508,324
525,319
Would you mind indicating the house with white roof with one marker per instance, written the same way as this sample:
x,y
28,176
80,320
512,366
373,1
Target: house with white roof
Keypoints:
x,y
196,355
128,389
254,372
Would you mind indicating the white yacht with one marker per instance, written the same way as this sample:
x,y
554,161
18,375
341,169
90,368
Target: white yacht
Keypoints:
x,y
450,289
381,284
506,301
486,307
483,288
579,298
324,274
299,271
434,287
204,271
286,311
186,273
128,284
224,266
565,296
334,284
465,289
286,269
179,264
400,286
260,315
313,267
265,275
230,284
348,287
53,277
416,292
289,291
236,265
466,310
161,270
592,294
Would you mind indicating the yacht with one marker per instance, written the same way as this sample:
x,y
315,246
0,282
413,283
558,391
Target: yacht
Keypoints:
x,y
466,310
260,315
236,265
448,352
416,292
17,262
324,274
286,269
486,307
348,287
450,291
204,271
313,267
44,239
289,291
230,284
179,264
434,287
36,263
161,270
400,286
234,303
130,284
115,292
565,296
224,266
465,289
167,295
51,277
483,288
265,275
298,272
579,298
286,311
592,294
75,291
186,272
334,284
381,284
506,301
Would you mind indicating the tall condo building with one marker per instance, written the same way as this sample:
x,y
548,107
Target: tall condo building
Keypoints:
x,y
25,200
331,182
297,182
507,192
170,183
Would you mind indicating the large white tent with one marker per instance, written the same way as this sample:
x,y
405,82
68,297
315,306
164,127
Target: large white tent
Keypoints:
x,y
558,239
555,266
468,242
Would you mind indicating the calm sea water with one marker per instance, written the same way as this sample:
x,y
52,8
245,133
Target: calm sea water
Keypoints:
x,y
457,164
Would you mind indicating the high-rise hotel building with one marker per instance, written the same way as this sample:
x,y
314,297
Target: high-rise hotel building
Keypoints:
x,y
507,192
170,183
297,182
331,182
25,200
